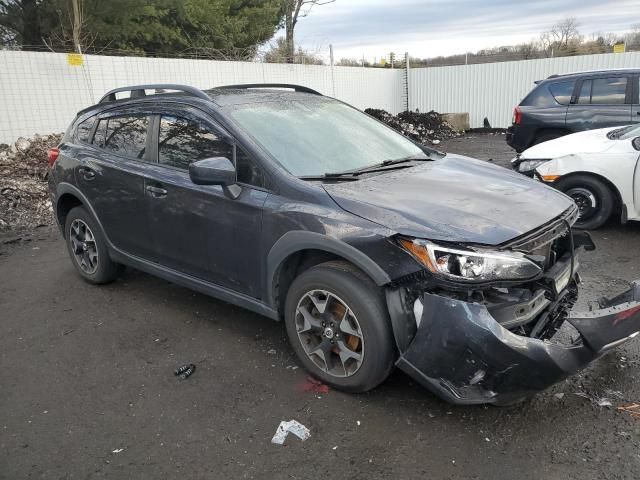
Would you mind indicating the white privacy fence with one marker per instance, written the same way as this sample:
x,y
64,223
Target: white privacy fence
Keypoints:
x,y
40,92
491,90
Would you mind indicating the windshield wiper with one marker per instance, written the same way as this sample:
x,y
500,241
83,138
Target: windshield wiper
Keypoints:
x,y
343,177
378,167
617,133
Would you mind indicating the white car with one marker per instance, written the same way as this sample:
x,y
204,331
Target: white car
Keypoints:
x,y
599,169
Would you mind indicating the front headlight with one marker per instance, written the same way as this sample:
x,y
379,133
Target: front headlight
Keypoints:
x,y
471,265
529,165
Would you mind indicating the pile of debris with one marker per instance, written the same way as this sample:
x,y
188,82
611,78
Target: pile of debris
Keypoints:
x,y
425,128
24,198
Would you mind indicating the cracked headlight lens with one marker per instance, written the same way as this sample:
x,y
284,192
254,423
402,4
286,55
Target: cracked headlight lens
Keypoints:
x,y
471,265
529,165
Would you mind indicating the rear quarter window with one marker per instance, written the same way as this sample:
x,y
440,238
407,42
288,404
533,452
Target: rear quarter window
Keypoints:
x,y
83,130
550,94
562,92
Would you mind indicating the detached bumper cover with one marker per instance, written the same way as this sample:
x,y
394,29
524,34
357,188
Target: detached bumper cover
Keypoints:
x,y
461,352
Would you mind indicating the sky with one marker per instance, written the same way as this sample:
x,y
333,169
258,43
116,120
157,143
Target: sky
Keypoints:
x,y
429,28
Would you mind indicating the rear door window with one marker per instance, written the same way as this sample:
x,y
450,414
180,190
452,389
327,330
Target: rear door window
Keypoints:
x,y
125,135
603,91
182,141
585,93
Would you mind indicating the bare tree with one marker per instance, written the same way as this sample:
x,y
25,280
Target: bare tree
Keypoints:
x,y
527,51
76,23
294,10
565,31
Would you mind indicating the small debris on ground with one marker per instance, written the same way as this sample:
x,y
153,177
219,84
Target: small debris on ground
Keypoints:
x,y
185,371
272,351
632,409
292,426
118,450
559,396
596,399
426,128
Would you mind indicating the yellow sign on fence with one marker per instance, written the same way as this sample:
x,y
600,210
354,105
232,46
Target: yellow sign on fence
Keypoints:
x,y
75,59
618,48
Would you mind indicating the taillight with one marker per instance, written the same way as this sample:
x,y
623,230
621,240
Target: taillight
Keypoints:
x,y
517,116
52,155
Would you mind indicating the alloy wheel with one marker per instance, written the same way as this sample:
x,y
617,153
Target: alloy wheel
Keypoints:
x,y
585,200
83,246
329,333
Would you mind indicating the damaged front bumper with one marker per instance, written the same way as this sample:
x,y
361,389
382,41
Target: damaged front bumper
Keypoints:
x,y
463,354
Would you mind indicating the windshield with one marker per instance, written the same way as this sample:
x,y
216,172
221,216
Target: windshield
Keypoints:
x,y
314,137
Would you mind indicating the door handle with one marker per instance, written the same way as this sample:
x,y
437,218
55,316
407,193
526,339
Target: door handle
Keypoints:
x,y
87,173
156,192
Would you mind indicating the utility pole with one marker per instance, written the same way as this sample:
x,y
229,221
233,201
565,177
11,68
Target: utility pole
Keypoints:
x,y
407,81
333,80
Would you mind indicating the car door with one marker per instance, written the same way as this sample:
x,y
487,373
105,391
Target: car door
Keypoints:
x,y
601,101
197,229
111,176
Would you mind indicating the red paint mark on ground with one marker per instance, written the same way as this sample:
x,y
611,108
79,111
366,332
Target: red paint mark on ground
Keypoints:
x,y
313,385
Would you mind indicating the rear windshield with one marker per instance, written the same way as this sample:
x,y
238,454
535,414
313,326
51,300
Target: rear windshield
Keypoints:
x,y
550,94
314,137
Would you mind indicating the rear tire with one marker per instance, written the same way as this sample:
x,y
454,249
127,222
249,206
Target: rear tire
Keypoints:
x,y
334,309
87,248
593,197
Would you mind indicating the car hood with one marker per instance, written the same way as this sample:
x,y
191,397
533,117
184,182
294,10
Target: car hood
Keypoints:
x,y
455,199
591,141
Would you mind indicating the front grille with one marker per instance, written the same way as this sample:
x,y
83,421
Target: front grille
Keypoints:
x,y
546,235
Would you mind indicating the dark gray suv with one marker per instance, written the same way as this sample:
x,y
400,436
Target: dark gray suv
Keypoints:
x,y
374,250
574,102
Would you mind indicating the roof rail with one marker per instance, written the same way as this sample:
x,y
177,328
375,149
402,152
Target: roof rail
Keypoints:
x,y
598,70
138,91
297,88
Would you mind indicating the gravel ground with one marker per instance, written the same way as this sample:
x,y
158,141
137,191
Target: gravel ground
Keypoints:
x,y
87,389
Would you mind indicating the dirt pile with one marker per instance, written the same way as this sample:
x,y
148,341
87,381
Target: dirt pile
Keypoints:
x,y
24,198
426,128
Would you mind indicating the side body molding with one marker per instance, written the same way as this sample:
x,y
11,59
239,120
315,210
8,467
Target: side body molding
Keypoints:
x,y
296,241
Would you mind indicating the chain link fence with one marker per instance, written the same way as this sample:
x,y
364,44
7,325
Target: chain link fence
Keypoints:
x,y
41,91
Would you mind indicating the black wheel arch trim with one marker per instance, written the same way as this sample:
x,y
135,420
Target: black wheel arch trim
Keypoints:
x,y
67,188
298,241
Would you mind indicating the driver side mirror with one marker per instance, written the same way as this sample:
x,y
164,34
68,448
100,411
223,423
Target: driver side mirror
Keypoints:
x,y
636,143
216,171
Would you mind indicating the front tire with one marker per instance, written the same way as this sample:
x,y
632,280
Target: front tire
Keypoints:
x,y
338,325
593,197
87,248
